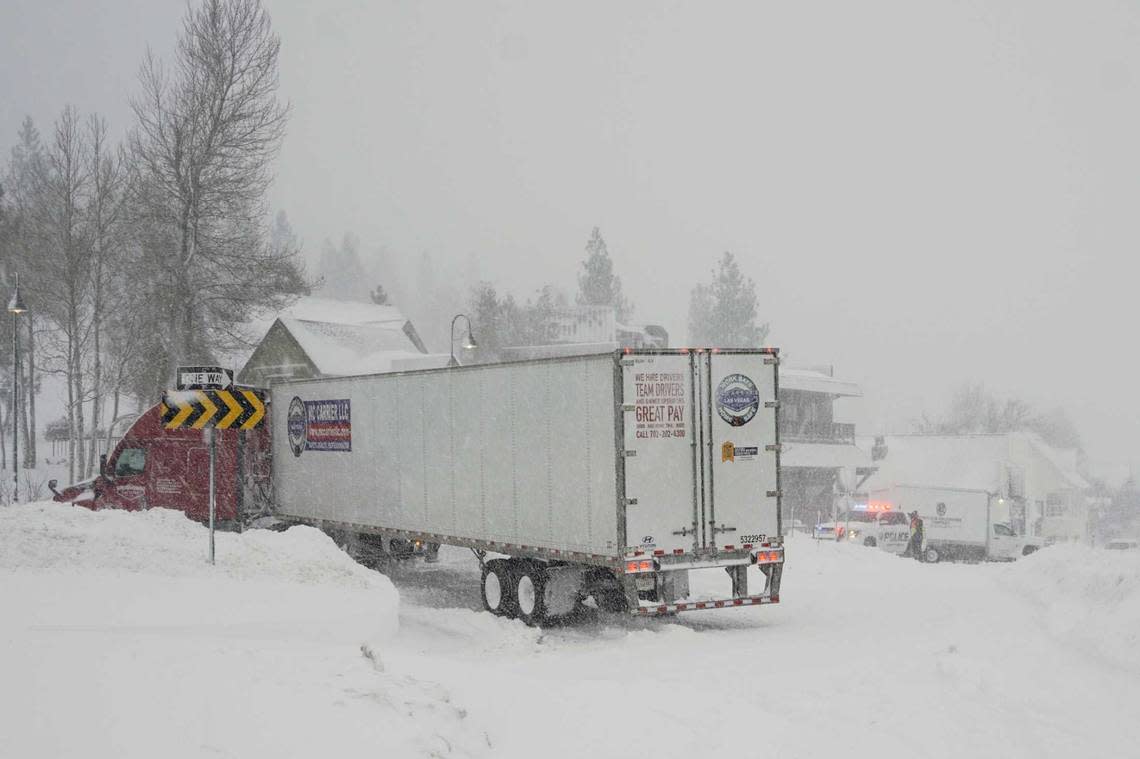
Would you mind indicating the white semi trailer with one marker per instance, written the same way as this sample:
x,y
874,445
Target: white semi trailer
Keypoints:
x,y
609,476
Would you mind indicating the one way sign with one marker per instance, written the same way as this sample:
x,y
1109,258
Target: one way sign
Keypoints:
x,y
204,378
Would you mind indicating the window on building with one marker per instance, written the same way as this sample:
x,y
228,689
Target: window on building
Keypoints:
x,y
1055,505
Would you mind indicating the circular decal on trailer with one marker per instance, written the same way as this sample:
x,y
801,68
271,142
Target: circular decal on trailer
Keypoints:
x,y
737,399
298,425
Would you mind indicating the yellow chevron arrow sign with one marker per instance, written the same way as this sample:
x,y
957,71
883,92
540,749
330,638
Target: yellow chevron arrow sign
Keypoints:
x,y
218,409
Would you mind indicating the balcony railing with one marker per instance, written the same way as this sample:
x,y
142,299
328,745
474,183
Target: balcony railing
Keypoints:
x,y
833,433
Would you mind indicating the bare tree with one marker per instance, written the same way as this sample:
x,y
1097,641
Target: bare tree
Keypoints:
x,y
61,267
974,410
206,135
105,214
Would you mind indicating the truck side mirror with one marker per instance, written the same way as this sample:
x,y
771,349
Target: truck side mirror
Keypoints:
x,y
102,465
51,486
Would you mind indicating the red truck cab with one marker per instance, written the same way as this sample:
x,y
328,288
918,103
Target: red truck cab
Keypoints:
x,y
153,467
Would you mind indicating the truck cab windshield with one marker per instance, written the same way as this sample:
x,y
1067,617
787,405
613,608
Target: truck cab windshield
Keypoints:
x,y
130,462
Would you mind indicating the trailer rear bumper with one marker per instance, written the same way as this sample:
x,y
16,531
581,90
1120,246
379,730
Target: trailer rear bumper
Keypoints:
x,y
651,609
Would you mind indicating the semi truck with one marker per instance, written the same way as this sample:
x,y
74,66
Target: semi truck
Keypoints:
x,y
961,523
608,477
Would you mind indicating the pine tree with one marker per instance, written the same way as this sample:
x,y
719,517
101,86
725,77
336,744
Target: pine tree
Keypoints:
x,y
723,313
597,284
341,271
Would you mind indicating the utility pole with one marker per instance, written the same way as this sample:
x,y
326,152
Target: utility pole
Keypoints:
x,y
15,308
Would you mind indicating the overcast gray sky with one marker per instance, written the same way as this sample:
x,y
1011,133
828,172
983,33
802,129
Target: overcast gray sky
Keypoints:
x,y
925,193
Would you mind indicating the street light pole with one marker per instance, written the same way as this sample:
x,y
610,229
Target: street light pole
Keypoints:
x,y
15,308
469,345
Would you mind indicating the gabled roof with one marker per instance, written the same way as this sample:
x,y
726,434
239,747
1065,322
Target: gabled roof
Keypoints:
x,y
338,349
971,462
335,311
343,338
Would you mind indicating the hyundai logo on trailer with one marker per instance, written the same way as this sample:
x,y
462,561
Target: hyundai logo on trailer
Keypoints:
x,y
737,399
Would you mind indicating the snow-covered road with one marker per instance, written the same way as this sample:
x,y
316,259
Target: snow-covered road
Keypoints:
x,y
867,655
117,641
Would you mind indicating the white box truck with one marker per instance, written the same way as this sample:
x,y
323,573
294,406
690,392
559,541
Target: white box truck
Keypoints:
x,y
961,523
606,476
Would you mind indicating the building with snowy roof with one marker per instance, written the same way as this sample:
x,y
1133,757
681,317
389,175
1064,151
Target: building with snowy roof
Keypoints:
x,y
321,337
821,461
578,330
1047,493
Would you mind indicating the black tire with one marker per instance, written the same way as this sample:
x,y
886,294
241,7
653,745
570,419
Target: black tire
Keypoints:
x,y
931,555
530,593
497,587
871,542
1028,550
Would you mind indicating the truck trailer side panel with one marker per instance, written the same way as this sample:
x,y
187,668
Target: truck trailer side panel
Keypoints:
x,y
518,454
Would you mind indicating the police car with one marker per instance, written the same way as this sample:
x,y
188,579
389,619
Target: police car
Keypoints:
x,y
871,525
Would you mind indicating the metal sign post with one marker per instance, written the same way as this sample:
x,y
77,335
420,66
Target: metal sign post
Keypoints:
x,y
213,435
202,402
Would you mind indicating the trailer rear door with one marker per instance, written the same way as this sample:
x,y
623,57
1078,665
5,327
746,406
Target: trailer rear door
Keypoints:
x,y
738,394
660,451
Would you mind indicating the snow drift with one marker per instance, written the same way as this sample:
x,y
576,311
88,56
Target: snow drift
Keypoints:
x,y
1091,600
119,639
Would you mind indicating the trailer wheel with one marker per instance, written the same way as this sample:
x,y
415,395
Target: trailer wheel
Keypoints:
x,y
871,542
931,556
498,588
530,593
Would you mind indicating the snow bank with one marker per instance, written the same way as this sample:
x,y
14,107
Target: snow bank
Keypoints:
x,y
1089,597
294,583
118,639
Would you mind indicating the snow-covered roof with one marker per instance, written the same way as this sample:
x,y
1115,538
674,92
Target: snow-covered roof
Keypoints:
x,y
342,312
312,308
823,456
811,381
951,461
972,462
1065,461
342,349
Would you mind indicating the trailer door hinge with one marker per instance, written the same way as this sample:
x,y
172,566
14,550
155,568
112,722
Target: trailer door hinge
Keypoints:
x,y
775,493
627,407
771,404
627,363
723,529
630,454
775,447
630,501
770,360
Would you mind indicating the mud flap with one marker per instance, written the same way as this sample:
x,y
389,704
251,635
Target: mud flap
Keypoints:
x,y
772,574
739,575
